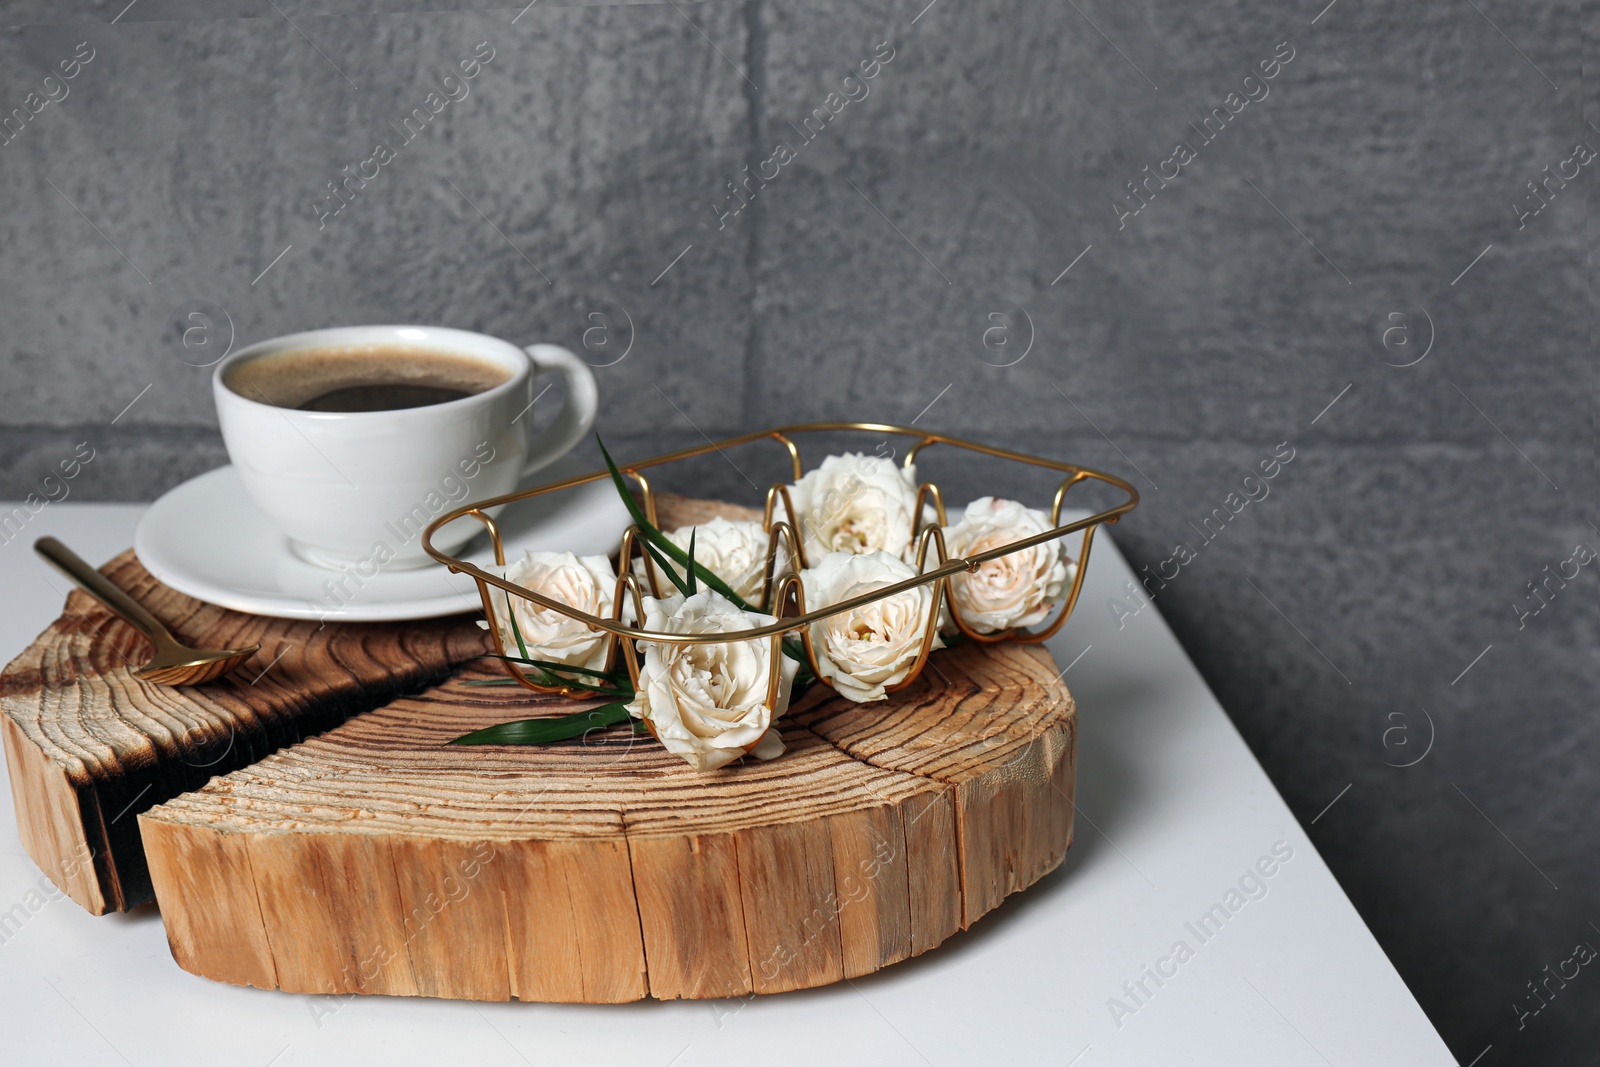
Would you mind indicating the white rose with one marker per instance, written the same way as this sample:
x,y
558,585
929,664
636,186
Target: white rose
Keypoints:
x,y
1017,589
585,583
863,651
735,551
855,503
708,703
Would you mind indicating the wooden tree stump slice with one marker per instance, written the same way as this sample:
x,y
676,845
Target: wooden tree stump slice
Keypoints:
x,y
373,858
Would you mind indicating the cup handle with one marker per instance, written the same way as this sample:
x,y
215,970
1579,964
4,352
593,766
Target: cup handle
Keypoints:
x,y
576,418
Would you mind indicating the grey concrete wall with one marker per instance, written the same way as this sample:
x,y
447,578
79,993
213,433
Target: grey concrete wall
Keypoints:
x,y
1371,190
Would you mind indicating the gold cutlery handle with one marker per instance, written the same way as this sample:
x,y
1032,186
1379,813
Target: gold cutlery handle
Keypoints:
x,y
102,589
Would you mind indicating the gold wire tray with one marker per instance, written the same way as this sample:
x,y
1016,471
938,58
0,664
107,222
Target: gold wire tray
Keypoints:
x,y
782,595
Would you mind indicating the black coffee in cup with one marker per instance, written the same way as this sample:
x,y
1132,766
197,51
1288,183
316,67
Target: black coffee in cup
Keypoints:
x,y
353,378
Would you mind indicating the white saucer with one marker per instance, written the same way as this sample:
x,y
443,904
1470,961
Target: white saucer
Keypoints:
x,y
207,539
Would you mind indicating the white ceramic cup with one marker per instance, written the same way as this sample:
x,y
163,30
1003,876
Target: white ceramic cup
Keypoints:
x,y
357,488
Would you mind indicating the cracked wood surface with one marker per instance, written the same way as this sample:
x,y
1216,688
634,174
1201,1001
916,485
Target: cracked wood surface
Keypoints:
x,y
89,746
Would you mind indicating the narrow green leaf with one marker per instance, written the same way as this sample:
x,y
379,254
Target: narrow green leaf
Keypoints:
x,y
515,629
660,540
545,668
631,504
651,534
693,588
702,573
547,730
618,683
555,665
620,694
684,585
553,680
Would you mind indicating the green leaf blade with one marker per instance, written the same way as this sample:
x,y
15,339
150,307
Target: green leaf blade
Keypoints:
x,y
556,665
660,540
548,730
684,585
516,630
693,588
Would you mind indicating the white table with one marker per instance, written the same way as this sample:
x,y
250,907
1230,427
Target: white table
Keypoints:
x,y
1173,811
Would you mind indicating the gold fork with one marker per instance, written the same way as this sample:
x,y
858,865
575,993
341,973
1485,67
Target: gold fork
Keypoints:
x,y
173,662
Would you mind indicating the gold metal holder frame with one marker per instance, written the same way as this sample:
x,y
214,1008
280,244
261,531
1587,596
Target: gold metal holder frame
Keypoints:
x,y
782,595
